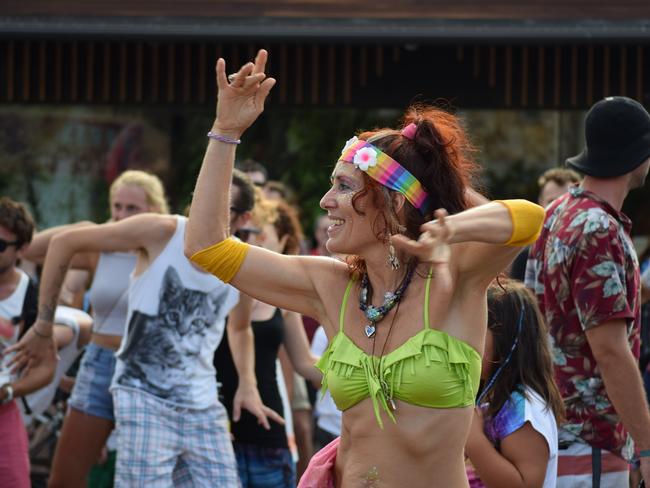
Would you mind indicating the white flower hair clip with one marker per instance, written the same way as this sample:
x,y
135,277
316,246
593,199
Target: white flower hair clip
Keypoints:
x,y
365,158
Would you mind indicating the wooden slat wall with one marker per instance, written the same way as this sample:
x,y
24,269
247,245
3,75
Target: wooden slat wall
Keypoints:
x,y
413,9
509,76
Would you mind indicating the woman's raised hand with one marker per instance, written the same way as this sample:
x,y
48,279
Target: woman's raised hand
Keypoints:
x,y
433,244
241,96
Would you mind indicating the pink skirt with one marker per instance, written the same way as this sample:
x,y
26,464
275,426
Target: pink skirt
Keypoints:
x,y
320,471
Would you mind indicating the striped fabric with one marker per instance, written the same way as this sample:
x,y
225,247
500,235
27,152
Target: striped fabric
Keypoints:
x,y
161,445
575,468
390,174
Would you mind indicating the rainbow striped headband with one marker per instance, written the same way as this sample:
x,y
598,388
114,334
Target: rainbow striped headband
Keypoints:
x,y
386,171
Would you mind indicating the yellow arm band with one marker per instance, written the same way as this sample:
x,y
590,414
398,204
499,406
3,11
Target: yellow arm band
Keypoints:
x,y
222,259
527,220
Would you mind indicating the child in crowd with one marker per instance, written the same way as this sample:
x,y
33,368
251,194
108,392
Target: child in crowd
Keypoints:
x,y
513,438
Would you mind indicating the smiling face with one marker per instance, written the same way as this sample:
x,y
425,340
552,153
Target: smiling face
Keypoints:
x,y
348,232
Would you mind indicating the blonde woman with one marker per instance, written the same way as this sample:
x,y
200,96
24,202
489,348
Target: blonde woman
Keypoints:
x,y
90,418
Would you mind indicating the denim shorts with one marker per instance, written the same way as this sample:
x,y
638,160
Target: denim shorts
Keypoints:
x,y
90,393
261,467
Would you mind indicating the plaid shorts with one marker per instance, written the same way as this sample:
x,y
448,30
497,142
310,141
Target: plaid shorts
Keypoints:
x,y
160,445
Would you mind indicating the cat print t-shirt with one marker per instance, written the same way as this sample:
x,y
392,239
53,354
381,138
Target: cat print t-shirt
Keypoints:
x,y
175,322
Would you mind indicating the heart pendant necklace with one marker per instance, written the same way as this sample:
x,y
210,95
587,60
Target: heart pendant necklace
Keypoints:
x,y
375,314
370,330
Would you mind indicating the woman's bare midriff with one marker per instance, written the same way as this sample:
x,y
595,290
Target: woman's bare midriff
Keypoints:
x,y
108,341
423,449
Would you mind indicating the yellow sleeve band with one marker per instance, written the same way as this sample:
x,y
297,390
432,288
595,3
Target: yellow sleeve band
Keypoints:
x,y
222,259
527,220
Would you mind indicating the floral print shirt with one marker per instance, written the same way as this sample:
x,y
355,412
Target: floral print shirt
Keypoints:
x,y
584,271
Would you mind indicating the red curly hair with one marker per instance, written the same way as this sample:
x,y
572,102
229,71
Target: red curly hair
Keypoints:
x,y
439,156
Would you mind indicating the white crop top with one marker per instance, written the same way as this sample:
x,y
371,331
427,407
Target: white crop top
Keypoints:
x,y
109,292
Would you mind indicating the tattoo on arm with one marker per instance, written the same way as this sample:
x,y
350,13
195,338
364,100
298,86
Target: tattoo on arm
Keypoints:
x,y
46,310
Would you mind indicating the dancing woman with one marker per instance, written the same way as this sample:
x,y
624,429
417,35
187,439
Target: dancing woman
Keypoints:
x,y
406,316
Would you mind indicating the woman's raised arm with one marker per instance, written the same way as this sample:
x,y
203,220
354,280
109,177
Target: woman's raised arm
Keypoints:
x,y
239,103
288,282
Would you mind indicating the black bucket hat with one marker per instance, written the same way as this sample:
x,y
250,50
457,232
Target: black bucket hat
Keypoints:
x,y
617,131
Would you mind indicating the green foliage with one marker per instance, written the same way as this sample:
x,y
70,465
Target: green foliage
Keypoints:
x,y
519,181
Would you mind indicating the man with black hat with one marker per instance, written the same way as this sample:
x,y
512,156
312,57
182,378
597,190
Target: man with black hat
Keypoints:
x,y
585,273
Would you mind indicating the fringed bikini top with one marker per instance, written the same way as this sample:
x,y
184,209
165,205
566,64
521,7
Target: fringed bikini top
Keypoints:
x,y
431,369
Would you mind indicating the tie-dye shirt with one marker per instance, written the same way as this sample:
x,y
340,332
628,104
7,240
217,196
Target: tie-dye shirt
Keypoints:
x,y
518,410
584,272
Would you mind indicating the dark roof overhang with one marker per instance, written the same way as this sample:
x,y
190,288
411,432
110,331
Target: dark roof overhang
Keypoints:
x,y
269,29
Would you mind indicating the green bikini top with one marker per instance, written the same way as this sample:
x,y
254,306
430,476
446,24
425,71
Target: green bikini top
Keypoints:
x,y
431,369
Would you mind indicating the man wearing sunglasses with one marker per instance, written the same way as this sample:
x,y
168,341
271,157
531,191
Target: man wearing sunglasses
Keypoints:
x,y
16,229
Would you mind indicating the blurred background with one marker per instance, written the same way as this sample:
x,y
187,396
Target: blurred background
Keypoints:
x,y
91,88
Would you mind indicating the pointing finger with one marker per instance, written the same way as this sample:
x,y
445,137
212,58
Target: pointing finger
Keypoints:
x,y
222,80
260,61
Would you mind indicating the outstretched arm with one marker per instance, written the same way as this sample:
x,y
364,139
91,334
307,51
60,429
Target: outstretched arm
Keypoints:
x,y
488,237
37,249
141,232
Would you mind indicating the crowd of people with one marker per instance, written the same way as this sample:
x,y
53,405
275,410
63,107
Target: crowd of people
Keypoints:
x,y
202,335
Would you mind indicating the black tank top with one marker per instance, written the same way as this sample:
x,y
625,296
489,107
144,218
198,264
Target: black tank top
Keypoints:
x,y
269,335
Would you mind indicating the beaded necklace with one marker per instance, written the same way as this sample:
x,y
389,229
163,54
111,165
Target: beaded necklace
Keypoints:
x,y
375,314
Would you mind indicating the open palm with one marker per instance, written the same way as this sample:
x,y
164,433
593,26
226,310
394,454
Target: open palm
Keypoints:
x,y
241,97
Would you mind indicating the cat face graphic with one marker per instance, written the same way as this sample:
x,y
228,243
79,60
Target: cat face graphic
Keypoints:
x,y
161,350
184,310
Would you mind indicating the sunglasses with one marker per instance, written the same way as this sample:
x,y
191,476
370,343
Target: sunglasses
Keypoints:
x,y
5,244
245,234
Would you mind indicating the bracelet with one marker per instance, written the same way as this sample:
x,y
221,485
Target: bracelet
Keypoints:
x,y
40,334
644,453
220,138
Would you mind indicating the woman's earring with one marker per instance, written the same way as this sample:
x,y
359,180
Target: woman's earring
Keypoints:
x,y
393,260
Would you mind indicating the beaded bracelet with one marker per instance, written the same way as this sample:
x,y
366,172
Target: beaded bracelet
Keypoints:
x,y
644,453
220,138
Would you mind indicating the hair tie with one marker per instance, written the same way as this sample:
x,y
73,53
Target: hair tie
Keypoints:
x,y
409,131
